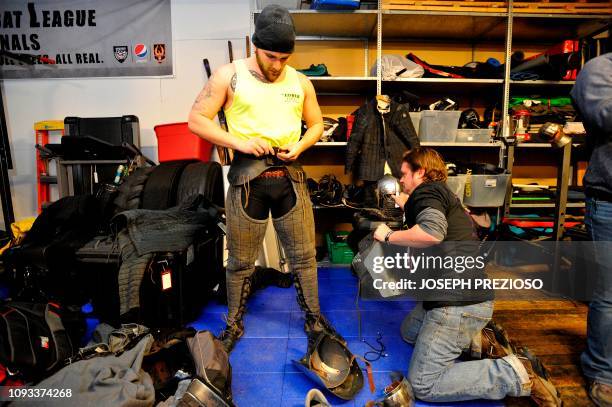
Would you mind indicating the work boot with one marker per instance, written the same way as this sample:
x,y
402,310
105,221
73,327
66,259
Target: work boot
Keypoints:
x,y
543,392
234,328
495,342
230,335
600,393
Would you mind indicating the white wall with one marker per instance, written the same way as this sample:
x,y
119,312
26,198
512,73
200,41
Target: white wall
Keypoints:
x,y
201,29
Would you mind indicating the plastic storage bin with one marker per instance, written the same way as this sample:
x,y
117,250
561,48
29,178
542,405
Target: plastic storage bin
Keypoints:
x,y
485,191
456,184
416,119
288,4
334,4
338,248
176,142
438,126
473,135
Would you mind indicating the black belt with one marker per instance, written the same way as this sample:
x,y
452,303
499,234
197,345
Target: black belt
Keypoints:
x,y
271,160
599,195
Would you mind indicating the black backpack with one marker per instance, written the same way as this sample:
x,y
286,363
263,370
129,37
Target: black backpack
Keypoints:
x,y
33,339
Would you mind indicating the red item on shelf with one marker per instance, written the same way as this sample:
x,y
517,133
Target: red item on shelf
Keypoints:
x,y
176,142
350,119
563,47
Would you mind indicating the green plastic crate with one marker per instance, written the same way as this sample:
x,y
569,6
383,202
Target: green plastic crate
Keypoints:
x,y
338,248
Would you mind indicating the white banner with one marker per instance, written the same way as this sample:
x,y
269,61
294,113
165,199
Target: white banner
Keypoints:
x,y
84,38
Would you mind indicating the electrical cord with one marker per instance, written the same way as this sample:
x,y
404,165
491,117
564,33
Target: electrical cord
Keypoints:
x,y
377,352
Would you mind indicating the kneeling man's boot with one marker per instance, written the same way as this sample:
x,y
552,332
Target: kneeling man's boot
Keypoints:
x,y
543,392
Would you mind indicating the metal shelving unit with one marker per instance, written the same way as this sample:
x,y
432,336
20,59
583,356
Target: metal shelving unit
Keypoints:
x,y
548,29
505,28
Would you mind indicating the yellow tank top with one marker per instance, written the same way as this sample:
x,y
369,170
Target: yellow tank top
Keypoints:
x,y
271,111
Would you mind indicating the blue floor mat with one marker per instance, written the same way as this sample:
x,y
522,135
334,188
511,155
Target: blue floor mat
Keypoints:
x,y
262,361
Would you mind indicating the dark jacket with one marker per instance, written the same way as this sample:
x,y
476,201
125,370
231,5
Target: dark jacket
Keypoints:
x,y
592,96
460,241
377,138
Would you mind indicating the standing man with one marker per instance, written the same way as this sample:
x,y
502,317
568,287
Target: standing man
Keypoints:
x,y
592,96
443,328
265,101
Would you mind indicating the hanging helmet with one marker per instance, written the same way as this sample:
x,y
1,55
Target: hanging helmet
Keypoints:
x,y
330,363
386,187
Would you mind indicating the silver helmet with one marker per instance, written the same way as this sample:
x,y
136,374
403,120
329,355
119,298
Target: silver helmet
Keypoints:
x,y
386,187
330,363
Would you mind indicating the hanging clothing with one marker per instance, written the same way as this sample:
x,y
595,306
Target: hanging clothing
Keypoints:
x,y
379,138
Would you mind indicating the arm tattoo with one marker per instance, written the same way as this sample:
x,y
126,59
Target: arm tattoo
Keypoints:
x,y
259,76
204,94
233,82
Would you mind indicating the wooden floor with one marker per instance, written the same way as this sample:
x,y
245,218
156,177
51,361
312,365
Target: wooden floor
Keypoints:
x,y
556,332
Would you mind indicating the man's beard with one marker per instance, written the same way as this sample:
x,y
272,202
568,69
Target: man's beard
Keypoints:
x,y
264,71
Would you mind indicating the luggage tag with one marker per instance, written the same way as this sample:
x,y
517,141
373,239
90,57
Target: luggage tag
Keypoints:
x,y
166,276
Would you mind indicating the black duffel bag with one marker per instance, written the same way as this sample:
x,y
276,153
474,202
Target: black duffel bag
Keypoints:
x,y
33,340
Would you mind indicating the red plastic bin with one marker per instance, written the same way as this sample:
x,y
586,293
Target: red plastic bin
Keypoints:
x,y
176,142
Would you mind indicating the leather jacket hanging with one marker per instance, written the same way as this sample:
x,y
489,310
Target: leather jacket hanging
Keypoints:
x,y
377,138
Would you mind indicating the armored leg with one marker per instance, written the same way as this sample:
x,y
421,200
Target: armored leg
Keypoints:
x,y
244,239
297,232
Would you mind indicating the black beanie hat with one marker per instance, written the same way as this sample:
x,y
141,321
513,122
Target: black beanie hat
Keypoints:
x,y
274,30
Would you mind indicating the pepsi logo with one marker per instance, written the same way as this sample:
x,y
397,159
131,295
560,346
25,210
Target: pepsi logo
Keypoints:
x,y
140,50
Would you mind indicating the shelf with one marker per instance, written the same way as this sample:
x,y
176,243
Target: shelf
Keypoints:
x,y
336,23
343,85
424,25
545,205
330,144
451,80
445,84
534,145
428,25
544,145
542,83
486,145
554,28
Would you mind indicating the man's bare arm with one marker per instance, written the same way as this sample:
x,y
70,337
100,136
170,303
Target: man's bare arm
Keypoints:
x,y
206,106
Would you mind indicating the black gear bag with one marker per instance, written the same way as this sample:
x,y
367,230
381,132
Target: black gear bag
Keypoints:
x,y
33,339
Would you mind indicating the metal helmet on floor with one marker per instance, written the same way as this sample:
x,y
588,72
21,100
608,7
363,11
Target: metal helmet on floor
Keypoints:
x,y
330,363
398,394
